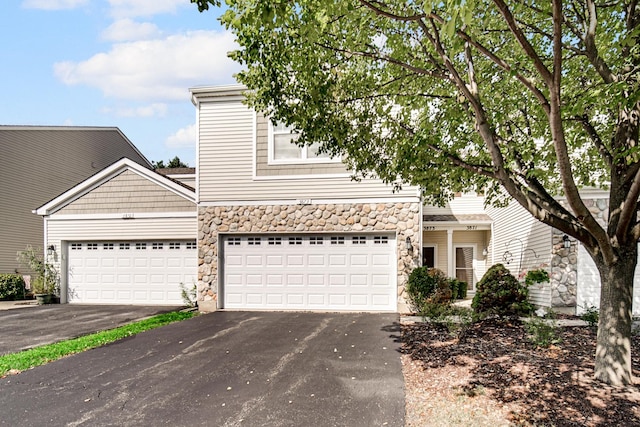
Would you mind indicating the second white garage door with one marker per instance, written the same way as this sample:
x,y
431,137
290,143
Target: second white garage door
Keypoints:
x,y
310,272
136,272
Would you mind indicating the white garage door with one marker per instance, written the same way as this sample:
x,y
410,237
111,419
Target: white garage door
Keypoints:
x,y
310,272
135,272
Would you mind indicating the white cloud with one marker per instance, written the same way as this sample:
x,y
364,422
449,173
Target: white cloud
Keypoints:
x,y
156,70
152,110
133,8
128,30
183,138
53,4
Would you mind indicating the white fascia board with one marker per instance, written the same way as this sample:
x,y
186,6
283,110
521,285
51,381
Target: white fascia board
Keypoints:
x,y
106,174
210,93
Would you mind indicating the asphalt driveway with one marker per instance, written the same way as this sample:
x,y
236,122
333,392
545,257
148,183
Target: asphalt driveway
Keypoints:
x,y
224,369
34,325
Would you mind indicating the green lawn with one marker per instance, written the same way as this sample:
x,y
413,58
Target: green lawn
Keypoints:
x,y
50,352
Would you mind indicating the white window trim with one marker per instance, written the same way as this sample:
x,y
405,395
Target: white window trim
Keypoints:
x,y
302,161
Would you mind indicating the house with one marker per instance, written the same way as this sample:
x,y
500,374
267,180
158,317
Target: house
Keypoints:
x,y
126,235
281,227
274,226
40,162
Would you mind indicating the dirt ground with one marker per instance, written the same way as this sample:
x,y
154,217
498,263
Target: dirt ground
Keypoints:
x,y
493,375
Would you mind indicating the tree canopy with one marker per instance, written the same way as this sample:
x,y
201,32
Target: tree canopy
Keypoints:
x,y
533,98
172,164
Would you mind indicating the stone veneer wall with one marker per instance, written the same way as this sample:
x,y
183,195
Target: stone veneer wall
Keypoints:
x,y
401,218
564,275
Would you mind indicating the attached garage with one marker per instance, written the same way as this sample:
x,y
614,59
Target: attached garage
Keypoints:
x,y
350,272
131,272
127,235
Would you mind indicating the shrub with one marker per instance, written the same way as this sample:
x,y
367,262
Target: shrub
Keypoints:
x,y
499,292
11,287
426,287
458,288
543,332
538,275
591,315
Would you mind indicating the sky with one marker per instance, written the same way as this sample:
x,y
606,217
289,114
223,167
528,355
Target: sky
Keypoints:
x,y
122,63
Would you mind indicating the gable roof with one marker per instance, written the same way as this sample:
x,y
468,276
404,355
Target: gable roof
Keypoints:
x,y
107,174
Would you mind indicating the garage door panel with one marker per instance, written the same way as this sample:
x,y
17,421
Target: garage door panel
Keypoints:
x,y
335,272
130,272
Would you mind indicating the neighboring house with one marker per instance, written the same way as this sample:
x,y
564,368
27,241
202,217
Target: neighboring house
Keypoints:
x,y
186,176
39,162
282,227
126,235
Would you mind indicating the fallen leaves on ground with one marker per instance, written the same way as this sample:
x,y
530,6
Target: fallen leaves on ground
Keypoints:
x,y
493,375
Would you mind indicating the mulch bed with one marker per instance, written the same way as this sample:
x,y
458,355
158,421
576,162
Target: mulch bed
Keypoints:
x,y
540,386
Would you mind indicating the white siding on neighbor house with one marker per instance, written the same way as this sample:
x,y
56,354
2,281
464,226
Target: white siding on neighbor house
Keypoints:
x,y
589,284
226,165
517,232
77,230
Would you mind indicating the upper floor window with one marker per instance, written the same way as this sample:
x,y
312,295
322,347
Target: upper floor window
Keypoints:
x,y
283,149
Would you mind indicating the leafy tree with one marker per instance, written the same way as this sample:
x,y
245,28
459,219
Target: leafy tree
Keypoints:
x,y
533,98
173,163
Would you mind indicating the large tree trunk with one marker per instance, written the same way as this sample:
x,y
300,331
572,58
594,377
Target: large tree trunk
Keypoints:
x,y
613,350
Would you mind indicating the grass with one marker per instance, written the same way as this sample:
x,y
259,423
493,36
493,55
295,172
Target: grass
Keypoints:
x,y
37,356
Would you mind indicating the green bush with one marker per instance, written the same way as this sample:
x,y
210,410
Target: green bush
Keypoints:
x,y
426,287
591,315
499,292
458,288
11,287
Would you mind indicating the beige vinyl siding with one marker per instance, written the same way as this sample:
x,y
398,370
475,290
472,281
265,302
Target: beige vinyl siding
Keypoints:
x,y
464,204
226,165
263,168
517,232
39,163
128,192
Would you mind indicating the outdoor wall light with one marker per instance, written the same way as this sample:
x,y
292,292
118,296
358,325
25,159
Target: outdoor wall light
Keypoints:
x,y
566,243
408,243
485,252
51,249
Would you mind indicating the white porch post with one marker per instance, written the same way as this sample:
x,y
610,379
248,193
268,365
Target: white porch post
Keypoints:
x,y
450,268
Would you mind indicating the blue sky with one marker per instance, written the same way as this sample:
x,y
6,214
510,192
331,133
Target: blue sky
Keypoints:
x,y
123,63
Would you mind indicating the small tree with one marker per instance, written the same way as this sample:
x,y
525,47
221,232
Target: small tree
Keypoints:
x,y
499,292
173,163
47,280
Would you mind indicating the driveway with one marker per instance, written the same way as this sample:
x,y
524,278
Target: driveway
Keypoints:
x,y
35,325
224,369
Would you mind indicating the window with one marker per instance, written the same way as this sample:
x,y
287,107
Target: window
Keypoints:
x,y
337,240
275,241
76,246
125,246
107,246
231,241
156,246
92,246
254,241
381,240
174,245
315,240
193,245
359,240
141,246
282,147
295,240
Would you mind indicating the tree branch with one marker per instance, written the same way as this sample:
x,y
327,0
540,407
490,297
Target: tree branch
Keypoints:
x,y
589,40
